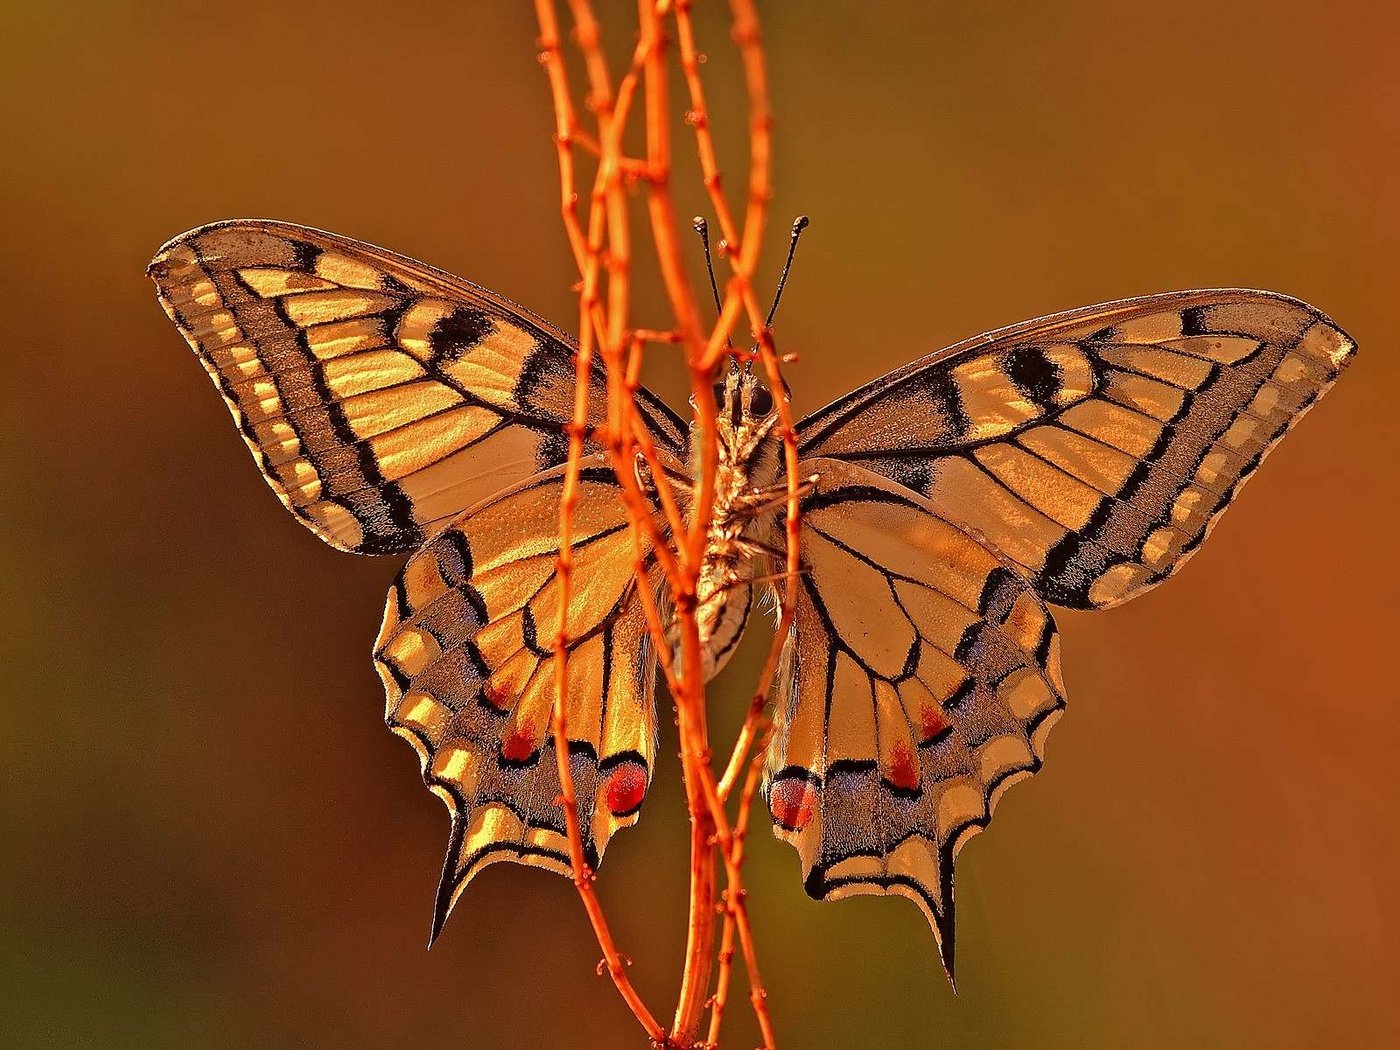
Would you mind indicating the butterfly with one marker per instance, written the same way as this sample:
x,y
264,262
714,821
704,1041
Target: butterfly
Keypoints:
x,y
1075,460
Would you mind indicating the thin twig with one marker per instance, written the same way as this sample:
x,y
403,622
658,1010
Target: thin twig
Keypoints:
x,y
589,254
663,536
739,293
726,944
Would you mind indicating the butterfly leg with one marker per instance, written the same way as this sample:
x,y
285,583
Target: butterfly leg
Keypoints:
x,y
772,497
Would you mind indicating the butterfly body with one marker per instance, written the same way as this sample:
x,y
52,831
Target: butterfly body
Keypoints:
x,y
1077,459
742,534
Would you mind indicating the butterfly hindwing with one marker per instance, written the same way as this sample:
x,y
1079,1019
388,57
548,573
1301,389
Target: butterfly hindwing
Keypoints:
x,y
381,397
1095,448
465,655
919,680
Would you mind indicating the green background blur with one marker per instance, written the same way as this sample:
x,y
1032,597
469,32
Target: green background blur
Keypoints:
x,y
208,839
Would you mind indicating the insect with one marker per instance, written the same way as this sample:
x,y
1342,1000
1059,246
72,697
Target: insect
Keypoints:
x,y
1075,460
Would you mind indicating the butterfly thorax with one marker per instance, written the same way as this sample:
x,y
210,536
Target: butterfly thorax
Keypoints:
x,y
743,507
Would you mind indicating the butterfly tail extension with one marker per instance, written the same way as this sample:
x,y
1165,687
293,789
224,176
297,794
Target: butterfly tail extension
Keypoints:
x,y
919,682
464,654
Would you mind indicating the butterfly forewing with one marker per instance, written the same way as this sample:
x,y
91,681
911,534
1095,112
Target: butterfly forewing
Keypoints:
x,y
920,678
465,654
381,397
1095,448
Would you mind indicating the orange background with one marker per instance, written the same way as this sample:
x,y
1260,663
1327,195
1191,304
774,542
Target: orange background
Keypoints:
x,y
209,840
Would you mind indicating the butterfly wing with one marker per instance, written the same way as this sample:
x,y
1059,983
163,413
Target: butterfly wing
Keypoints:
x,y
1095,448
381,397
919,680
465,655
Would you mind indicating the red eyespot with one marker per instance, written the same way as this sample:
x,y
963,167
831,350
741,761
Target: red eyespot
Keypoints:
x,y
496,696
792,801
626,787
932,722
904,768
519,743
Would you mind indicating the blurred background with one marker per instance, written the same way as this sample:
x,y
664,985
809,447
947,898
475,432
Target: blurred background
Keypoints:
x,y
208,839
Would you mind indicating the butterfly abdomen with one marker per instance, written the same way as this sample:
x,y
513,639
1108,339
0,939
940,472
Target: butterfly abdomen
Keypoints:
x,y
722,621
724,593
741,512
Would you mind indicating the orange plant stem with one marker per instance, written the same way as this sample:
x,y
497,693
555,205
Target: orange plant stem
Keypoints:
x,y
690,696
608,198
736,903
602,251
739,293
746,35
589,253
726,944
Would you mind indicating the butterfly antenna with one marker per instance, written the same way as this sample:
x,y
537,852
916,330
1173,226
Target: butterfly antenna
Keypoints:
x,y
703,229
798,225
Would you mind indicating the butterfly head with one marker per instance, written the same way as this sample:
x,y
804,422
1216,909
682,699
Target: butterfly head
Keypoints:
x,y
746,419
742,396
